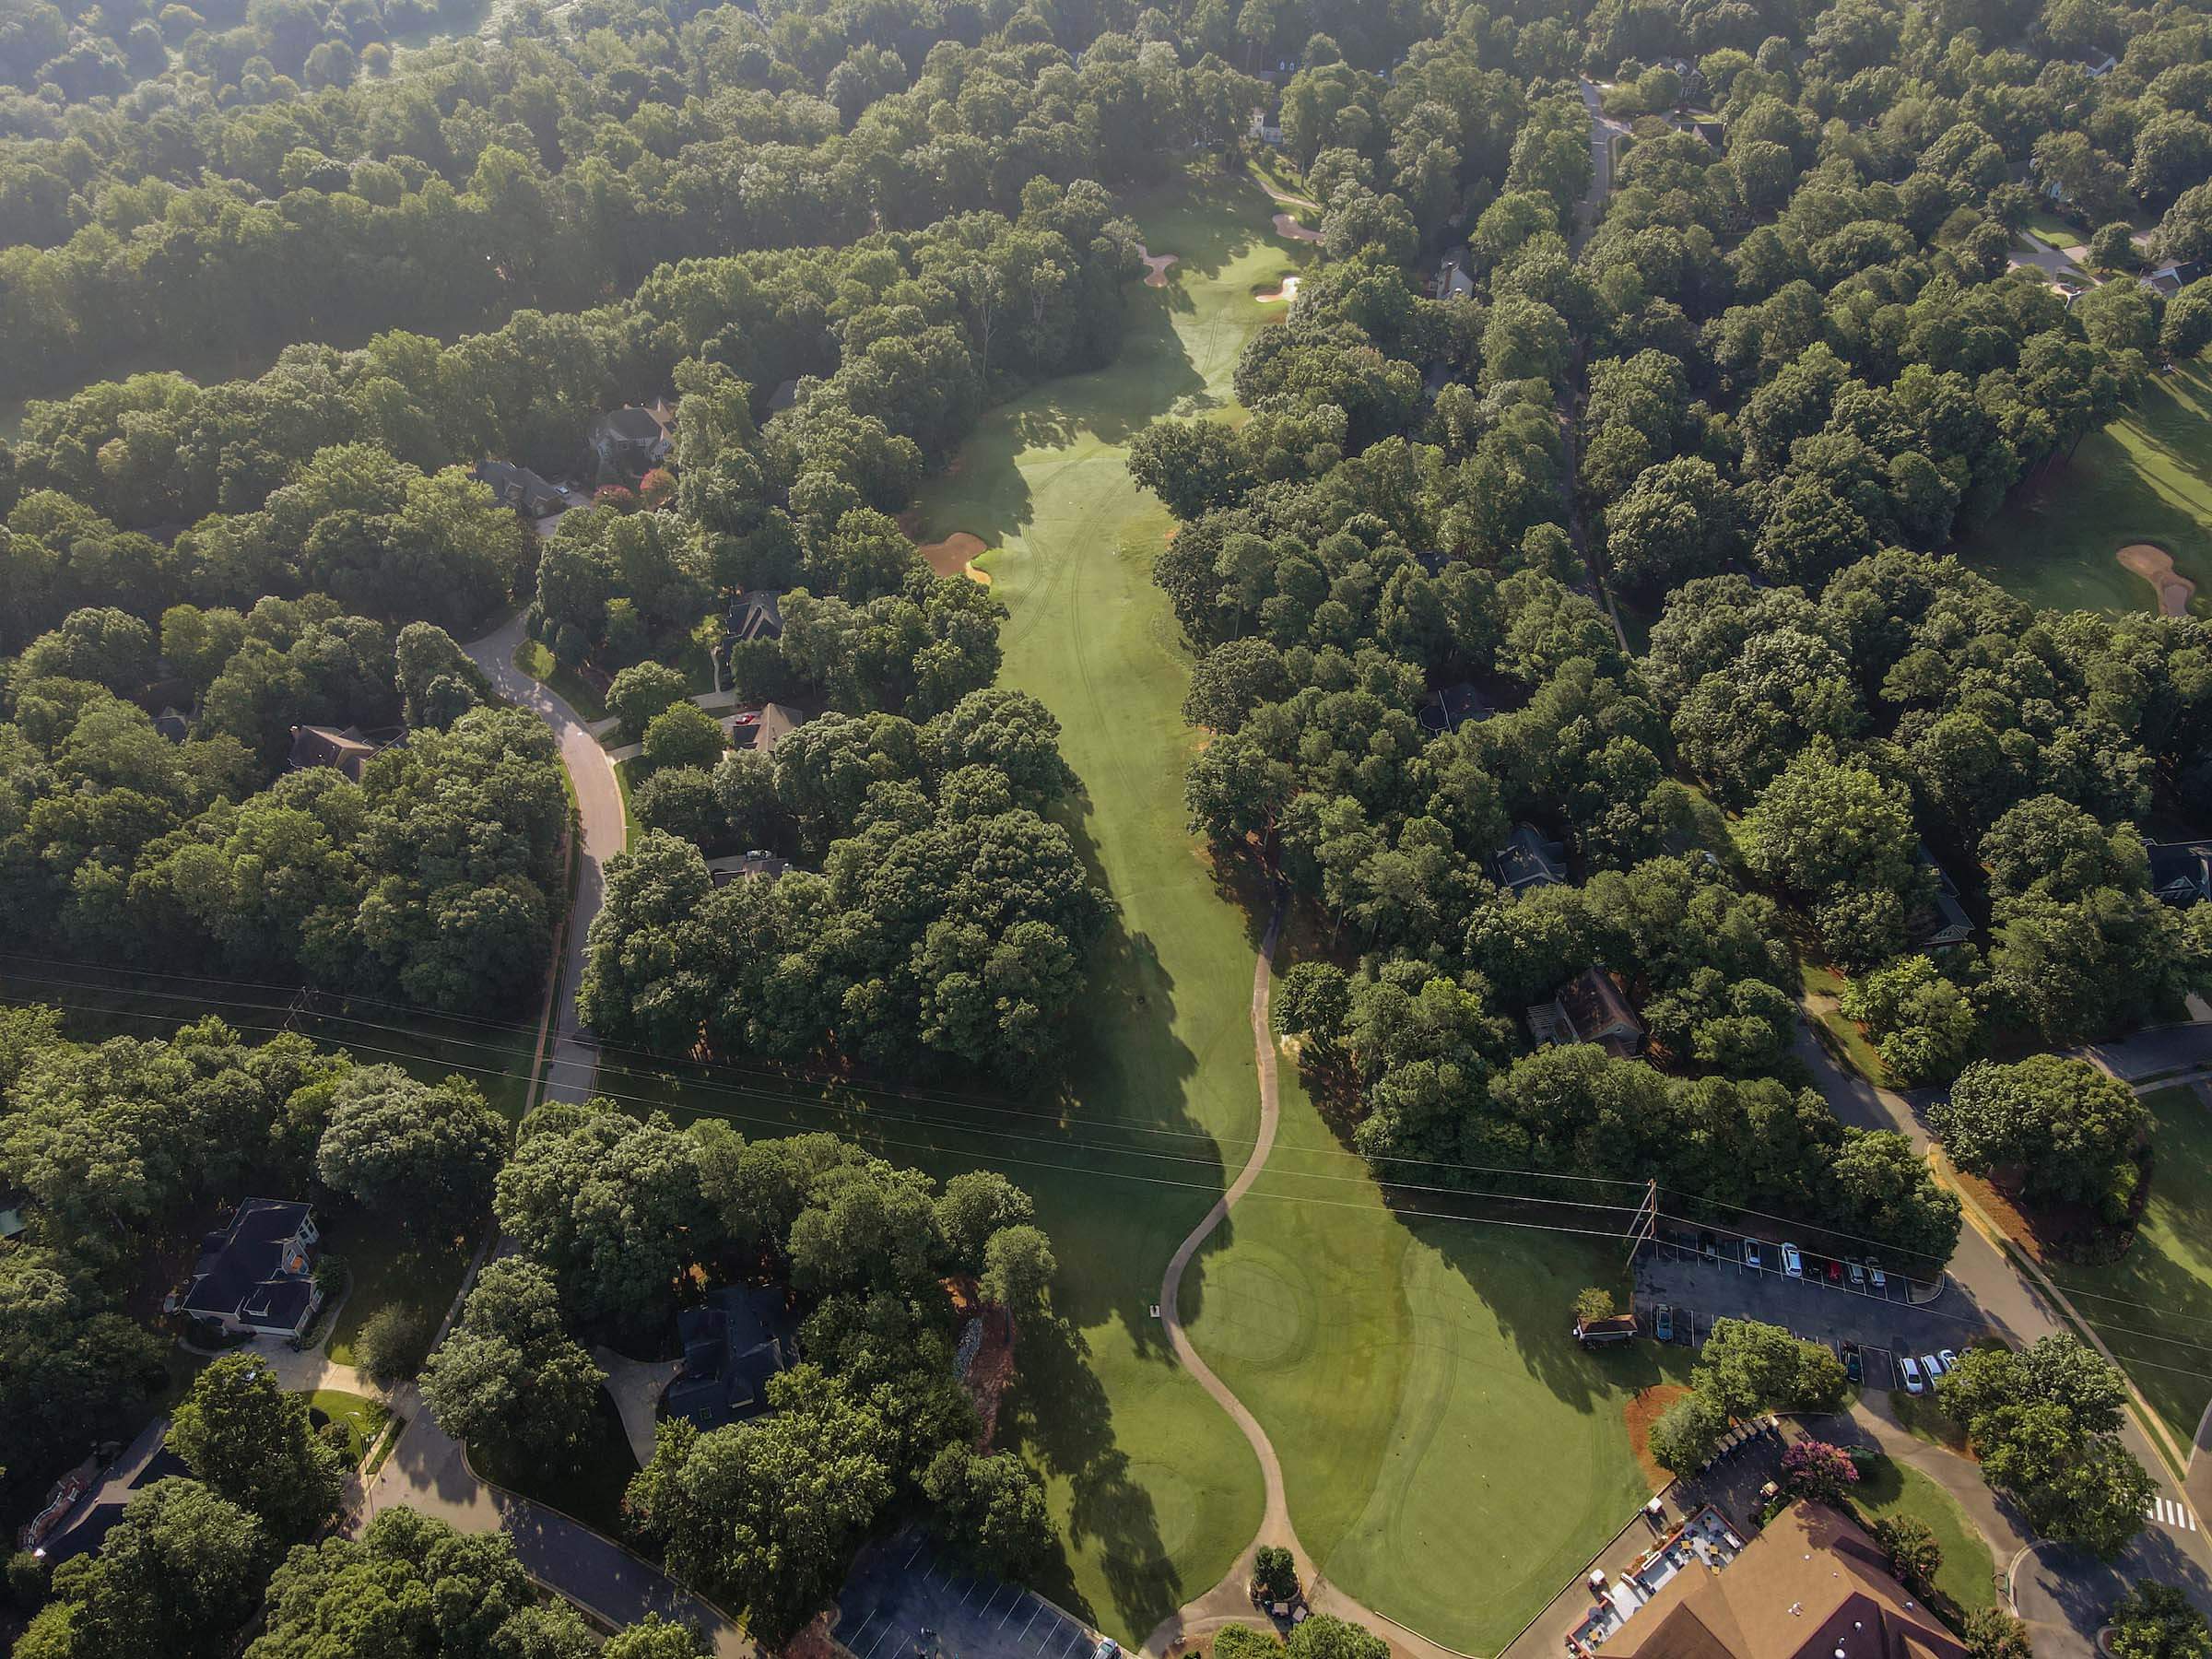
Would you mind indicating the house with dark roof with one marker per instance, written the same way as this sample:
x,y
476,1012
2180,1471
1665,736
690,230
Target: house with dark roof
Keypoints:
x,y
745,866
629,442
1590,1008
172,723
2180,872
87,1506
257,1276
733,1344
1810,1585
519,487
1529,859
762,728
327,746
1943,919
758,615
2171,277
1453,707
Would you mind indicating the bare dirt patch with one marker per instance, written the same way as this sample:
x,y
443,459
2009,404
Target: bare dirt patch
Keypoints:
x,y
1642,1410
1281,295
2155,565
1286,226
1155,267
954,556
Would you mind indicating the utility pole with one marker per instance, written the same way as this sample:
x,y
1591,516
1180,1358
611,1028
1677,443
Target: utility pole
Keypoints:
x,y
1645,1223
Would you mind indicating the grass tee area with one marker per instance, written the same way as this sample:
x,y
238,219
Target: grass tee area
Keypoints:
x,y
2146,477
2153,1307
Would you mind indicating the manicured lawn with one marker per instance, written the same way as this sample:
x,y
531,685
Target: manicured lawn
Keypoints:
x,y
2153,1307
1924,1420
591,1489
2146,477
385,1271
1845,1035
1967,1576
2056,233
362,1418
534,660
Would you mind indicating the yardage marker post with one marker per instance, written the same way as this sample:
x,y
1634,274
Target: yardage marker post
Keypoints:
x,y
1645,1223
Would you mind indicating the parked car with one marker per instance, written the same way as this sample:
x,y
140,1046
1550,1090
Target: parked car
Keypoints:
x,y
1911,1367
1662,1322
1858,1274
1854,1369
1792,1263
1751,1253
1108,1648
1835,1271
1950,1361
1711,1246
1875,1273
1932,1366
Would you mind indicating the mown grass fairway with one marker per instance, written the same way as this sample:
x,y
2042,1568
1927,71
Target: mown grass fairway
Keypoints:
x,y
2153,1307
2146,477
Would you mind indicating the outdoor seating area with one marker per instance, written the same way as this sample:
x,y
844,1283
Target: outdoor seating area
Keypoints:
x,y
1705,1539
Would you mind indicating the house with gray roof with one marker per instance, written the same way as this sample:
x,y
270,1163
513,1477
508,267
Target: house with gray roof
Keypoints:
x,y
733,1344
1529,859
256,1277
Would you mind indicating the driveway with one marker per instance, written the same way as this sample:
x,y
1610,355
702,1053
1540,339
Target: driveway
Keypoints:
x,y
604,832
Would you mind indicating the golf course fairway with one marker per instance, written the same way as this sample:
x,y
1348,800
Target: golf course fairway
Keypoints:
x,y
1452,1457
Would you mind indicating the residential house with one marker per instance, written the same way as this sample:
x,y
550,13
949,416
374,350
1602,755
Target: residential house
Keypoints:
x,y
2180,872
1811,1585
2099,64
629,442
172,723
1529,859
733,1344
1452,282
761,729
1942,921
1265,126
87,1503
257,1276
2173,276
327,746
758,615
1453,707
1590,1008
519,487
745,866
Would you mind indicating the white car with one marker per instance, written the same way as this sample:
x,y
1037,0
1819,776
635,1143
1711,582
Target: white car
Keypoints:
x,y
1932,1366
1858,1272
1874,1274
1751,1253
1792,1263
1950,1361
1911,1367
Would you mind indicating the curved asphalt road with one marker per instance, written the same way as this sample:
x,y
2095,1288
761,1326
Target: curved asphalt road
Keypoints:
x,y
426,1470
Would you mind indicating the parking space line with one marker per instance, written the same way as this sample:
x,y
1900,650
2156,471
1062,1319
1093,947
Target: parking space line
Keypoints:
x,y
919,1545
1047,1640
1013,1608
887,1628
1032,1619
1073,1642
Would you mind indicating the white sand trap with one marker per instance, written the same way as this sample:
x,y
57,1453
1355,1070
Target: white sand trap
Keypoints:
x,y
1281,295
2155,565
952,555
1286,225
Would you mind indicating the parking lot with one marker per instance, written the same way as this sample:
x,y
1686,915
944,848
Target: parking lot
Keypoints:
x,y
1885,1322
903,1601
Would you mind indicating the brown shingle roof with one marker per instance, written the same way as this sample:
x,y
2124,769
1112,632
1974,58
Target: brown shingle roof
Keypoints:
x,y
1811,1583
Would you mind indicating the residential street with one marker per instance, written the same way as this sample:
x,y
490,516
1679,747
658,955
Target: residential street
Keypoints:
x,y
426,1471
1989,1287
575,1055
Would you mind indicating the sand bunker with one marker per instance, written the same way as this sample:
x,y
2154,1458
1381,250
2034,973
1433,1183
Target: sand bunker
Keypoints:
x,y
1281,295
1286,225
952,555
1155,267
2155,565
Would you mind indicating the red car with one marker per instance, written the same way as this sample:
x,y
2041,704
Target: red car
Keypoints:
x,y
1835,1271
